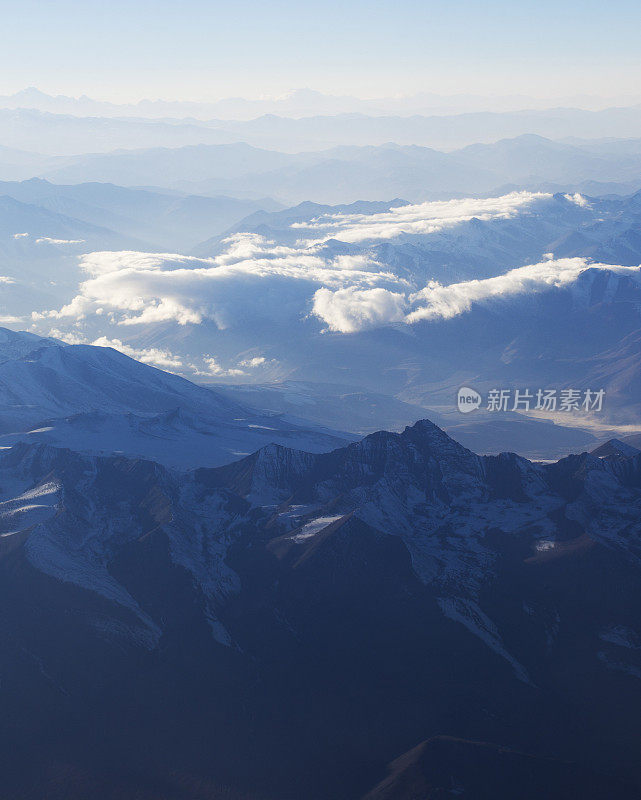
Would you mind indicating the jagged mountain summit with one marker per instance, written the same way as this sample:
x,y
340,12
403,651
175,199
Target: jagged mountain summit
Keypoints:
x,y
286,625
615,448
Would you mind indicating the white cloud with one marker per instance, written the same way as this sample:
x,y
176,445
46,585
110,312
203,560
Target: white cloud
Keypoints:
x,y
254,281
253,278
578,199
100,263
142,288
159,357
147,355
214,369
20,235
4,279
69,337
350,310
75,310
49,240
437,301
424,218
252,363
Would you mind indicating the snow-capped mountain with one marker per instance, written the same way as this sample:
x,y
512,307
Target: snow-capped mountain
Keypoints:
x,y
96,399
422,590
15,344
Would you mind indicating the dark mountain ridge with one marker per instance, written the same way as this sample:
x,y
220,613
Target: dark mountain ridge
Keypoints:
x,y
286,625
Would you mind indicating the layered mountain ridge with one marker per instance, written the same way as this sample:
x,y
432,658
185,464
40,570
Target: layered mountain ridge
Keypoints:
x,y
449,586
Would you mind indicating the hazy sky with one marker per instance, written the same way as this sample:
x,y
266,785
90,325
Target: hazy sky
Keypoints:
x,y
202,50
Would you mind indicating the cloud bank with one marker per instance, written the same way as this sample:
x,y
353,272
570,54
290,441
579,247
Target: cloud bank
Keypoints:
x,y
347,312
252,279
423,218
443,302
255,281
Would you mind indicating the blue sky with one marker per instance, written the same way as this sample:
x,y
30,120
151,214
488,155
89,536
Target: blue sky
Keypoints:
x,y
204,50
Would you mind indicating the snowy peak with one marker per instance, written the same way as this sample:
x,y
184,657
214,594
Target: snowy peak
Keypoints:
x,y
65,379
98,400
17,344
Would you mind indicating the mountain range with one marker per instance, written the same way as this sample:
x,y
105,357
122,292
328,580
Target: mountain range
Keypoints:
x,y
297,103
320,411
287,625
66,134
337,175
135,218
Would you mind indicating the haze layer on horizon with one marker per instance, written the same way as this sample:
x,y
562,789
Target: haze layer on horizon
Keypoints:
x,y
203,51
